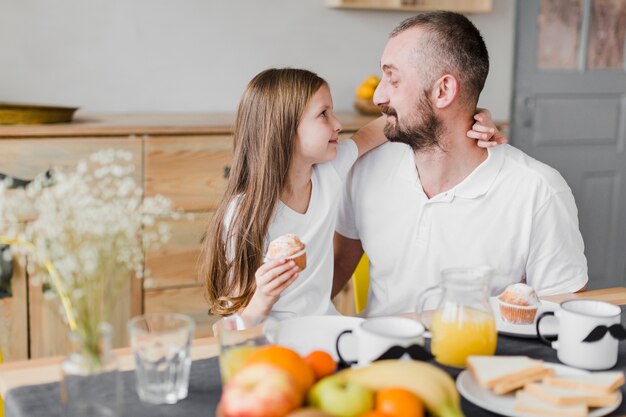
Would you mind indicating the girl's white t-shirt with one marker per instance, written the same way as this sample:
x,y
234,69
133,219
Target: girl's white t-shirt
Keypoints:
x,y
310,293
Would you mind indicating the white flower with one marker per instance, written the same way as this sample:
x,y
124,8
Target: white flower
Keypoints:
x,y
92,224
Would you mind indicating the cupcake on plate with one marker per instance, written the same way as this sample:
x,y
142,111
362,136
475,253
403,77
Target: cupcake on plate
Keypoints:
x,y
289,247
518,304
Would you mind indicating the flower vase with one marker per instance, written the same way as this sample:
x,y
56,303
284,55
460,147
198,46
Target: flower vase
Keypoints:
x,y
91,384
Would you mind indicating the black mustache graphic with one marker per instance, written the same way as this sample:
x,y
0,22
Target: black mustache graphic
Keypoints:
x,y
416,352
616,330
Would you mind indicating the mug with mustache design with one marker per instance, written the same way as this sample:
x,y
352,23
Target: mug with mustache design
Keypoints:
x,y
589,333
389,337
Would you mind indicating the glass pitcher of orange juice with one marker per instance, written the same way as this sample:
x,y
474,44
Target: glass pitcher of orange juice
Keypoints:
x,y
463,323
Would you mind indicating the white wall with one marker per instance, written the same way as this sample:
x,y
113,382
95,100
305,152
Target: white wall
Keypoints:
x,y
198,55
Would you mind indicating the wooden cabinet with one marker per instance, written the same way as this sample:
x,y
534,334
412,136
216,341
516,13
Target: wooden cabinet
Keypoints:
x,y
26,157
460,6
184,157
14,316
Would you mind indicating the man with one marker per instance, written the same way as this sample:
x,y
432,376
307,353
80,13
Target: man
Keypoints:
x,y
431,199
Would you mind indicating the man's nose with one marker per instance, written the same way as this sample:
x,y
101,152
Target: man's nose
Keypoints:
x,y
380,94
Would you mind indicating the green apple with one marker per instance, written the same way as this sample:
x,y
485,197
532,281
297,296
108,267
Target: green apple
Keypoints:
x,y
339,397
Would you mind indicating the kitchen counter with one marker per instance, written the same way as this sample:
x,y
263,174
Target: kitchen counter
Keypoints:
x,y
153,124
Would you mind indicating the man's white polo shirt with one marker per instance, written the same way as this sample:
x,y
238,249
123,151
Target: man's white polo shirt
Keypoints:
x,y
512,212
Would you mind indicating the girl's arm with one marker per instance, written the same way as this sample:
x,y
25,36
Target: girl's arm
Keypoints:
x,y
271,280
370,136
484,130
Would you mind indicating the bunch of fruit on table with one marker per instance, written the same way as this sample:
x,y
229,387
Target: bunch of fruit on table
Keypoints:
x,y
363,101
275,381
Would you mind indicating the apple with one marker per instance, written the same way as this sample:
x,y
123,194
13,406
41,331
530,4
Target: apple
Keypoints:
x,y
260,390
339,397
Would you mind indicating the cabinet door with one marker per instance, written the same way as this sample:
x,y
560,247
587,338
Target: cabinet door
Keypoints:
x,y
13,316
174,264
188,300
26,158
173,284
193,172
190,170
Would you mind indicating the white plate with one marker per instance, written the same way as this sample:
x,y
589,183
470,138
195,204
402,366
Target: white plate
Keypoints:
x,y
505,404
305,334
548,325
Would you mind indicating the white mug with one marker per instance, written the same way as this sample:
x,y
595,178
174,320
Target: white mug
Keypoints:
x,y
586,333
385,337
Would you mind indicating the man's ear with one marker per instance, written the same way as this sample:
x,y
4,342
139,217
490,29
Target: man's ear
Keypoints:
x,y
445,90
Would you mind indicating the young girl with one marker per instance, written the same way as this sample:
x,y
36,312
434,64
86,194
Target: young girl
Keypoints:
x,y
287,177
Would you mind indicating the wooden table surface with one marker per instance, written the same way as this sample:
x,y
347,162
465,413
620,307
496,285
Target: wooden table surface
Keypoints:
x,y
39,371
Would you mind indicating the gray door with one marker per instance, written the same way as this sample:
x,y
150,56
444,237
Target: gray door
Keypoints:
x,y
569,111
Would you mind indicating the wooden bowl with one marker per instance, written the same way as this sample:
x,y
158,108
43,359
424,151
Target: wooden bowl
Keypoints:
x,y
367,107
33,114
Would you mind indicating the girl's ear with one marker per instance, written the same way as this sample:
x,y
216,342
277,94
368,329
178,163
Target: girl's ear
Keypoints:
x,y
445,90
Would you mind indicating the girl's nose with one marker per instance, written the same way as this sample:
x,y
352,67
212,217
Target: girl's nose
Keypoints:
x,y
338,126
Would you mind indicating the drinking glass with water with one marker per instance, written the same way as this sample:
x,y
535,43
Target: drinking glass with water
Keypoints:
x,y
161,344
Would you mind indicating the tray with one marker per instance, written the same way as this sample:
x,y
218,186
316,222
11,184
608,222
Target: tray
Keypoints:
x,y
33,114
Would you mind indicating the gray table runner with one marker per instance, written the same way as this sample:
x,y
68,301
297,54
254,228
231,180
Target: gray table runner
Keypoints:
x,y
205,388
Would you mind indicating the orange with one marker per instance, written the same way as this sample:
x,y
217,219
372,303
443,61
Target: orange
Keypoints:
x,y
286,359
375,413
399,402
365,91
321,362
372,80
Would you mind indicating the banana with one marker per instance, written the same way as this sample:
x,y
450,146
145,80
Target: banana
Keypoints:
x,y
431,384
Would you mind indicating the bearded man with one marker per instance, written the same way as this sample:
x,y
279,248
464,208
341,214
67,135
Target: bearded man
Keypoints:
x,y
431,199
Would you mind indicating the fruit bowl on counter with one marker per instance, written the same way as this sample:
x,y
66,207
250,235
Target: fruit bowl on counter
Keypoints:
x,y
363,101
366,107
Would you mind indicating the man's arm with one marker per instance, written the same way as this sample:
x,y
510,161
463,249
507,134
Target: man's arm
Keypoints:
x,y
556,261
348,252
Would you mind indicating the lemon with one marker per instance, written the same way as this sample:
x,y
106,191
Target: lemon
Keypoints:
x,y
365,91
372,80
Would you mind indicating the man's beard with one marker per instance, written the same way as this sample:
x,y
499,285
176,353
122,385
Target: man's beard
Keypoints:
x,y
425,132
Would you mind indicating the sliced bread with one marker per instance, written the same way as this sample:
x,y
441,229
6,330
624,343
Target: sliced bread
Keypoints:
x,y
493,370
508,386
602,382
530,404
568,396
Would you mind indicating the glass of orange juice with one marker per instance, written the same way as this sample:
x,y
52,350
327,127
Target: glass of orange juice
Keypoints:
x,y
463,323
239,335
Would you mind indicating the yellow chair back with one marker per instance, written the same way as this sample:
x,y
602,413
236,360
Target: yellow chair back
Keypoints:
x,y
1,402
361,283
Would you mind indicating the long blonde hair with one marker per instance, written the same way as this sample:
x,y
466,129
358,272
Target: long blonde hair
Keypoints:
x,y
265,128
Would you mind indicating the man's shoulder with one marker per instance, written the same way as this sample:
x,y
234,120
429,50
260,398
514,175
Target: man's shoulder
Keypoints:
x,y
389,153
533,169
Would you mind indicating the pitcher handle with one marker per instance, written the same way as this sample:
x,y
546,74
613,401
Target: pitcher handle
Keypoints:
x,y
421,300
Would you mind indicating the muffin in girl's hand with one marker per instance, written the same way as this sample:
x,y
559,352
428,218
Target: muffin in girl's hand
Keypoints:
x,y
518,304
287,246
